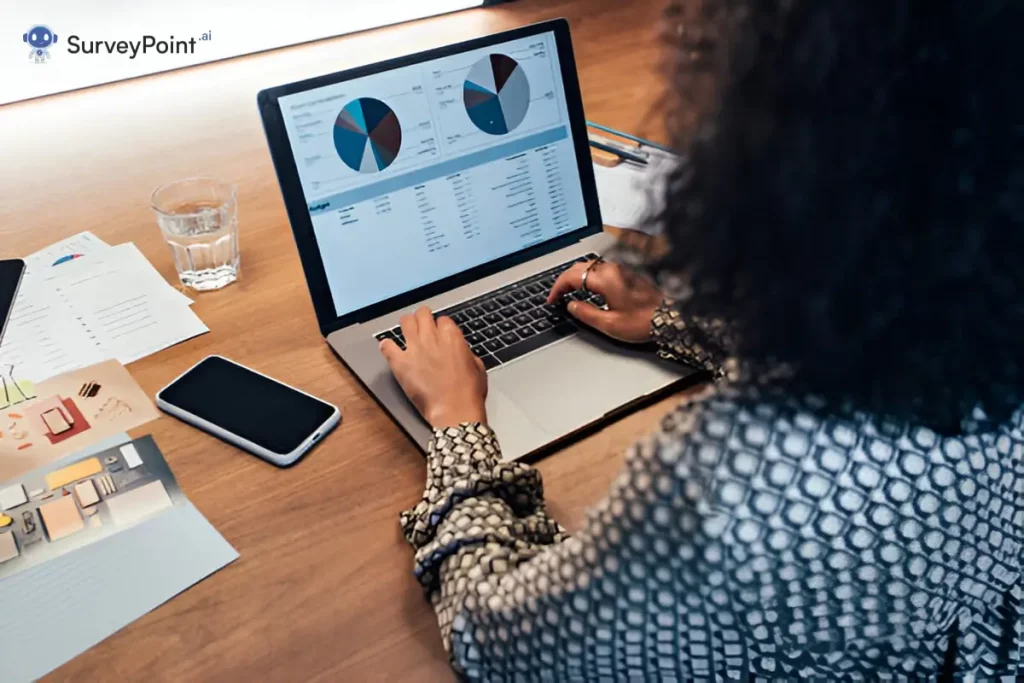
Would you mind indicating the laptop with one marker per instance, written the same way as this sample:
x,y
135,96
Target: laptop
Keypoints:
x,y
461,179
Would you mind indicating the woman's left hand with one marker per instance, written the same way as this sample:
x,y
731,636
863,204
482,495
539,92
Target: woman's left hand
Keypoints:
x,y
631,300
437,370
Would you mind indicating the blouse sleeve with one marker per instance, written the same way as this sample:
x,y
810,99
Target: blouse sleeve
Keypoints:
x,y
479,518
514,593
703,343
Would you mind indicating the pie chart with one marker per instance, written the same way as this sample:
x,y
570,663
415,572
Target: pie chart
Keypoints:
x,y
367,135
496,94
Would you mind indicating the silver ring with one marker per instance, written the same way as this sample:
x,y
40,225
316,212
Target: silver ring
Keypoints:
x,y
586,272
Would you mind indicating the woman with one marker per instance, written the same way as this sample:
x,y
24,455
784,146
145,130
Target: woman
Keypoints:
x,y
848,501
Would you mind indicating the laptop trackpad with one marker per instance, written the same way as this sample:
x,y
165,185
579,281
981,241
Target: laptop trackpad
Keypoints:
x,y
517,433
575,382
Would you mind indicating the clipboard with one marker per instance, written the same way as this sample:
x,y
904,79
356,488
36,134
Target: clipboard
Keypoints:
x,y
611,147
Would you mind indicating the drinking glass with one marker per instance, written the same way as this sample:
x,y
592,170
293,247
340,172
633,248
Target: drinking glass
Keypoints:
x,y
199,220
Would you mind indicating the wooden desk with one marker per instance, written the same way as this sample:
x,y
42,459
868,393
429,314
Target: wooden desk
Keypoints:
x,y
323,590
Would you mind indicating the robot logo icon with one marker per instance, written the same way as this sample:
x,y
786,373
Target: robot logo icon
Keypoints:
x,y
40,38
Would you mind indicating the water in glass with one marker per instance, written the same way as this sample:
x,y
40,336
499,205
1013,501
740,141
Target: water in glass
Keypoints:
x,y
199,221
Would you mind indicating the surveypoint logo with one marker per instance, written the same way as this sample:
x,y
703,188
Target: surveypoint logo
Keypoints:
x,y
40,38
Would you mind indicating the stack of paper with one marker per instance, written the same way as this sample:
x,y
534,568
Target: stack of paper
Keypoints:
x,y
83,301
631,195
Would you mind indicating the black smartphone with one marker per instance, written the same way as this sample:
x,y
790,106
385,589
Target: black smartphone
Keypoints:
x,y
11,271
246,408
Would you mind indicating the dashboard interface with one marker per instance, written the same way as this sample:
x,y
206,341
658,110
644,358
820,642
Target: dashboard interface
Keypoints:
x,y
421,172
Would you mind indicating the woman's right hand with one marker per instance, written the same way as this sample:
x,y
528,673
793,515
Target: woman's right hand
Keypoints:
x,y
631,300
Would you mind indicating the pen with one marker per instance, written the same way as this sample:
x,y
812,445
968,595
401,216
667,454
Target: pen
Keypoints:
x,y
633,138
621,153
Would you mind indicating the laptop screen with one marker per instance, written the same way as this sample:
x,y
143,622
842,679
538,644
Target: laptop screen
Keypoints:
x,y
424,171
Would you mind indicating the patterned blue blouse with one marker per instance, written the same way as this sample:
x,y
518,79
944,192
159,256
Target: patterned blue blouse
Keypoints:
x,y
749,539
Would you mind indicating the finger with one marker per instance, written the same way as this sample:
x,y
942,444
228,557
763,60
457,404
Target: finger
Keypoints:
x,y
410,327
451,336
569,281
447,328
425,324
599,280
480,364
392,354
591,315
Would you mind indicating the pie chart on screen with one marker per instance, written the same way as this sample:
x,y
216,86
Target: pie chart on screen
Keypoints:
x,y
367,135
496,94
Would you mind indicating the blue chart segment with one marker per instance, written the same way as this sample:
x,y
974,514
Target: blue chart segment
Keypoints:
x,y
367,135
496,94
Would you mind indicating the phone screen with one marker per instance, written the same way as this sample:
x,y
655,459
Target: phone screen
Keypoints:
x,y
10,277
247,404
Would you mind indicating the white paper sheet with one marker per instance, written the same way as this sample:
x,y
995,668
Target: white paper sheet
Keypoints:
x,y
83,243
43,337
129,312
630,194
87,244
623,205
125,257
109,304
129,257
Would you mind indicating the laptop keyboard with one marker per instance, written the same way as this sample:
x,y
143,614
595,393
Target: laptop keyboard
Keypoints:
x,y
510,322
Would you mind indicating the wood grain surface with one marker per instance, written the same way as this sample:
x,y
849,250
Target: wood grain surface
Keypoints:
x,y
323,590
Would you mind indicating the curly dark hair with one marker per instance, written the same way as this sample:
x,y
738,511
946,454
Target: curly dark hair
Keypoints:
x,y
853,197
